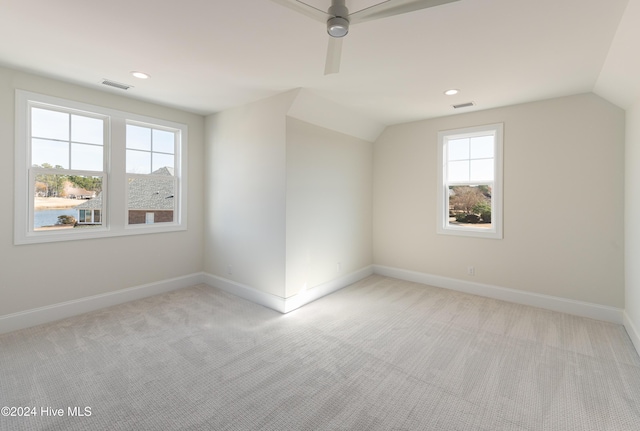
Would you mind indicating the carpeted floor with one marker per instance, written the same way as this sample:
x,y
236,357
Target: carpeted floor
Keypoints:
x,y
382,354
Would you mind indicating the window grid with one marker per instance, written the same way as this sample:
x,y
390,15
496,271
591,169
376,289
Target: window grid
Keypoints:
x,y
147,151
73,147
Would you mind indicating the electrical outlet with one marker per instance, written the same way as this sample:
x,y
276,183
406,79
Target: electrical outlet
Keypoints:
x,y
338,267
471,270
229,270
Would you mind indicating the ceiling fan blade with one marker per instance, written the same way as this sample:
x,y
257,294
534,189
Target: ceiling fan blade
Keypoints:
x,y
305,9
393,7
334,52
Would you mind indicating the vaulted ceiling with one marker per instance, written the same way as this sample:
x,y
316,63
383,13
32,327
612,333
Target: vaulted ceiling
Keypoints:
x,y
207,56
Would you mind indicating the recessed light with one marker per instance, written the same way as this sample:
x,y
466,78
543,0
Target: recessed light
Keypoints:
x,y
451,92
140,75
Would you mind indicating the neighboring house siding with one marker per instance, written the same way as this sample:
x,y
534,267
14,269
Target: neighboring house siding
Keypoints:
x,y
139,216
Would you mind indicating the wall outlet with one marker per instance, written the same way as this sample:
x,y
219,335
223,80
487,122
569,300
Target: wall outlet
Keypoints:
x,y
471,270
229,270
338,267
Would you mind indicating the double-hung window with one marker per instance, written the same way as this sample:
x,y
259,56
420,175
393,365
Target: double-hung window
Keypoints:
x,y
85,171
470,181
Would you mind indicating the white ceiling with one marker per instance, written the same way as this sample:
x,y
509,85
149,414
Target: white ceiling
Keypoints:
x,y
205,56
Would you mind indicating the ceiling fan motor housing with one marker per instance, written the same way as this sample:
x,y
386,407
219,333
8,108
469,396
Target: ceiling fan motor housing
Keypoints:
x,y
337,27
338,24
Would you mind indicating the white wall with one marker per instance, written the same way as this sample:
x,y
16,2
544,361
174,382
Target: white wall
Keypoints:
x,y
245,202
563,201
632,224
329,204
285,202
38,275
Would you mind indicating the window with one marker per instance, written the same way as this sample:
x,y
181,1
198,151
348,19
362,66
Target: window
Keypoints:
x,y
89,217
84,171
470,181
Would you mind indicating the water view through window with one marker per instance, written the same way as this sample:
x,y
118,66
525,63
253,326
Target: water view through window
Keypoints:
x,y
66,201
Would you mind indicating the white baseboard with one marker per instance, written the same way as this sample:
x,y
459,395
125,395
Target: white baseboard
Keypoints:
x,y
633,332
62,310
247,292
50,313
285,305
323,289
554,303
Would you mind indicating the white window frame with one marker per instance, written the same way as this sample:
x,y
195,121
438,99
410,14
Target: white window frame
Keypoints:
x,y
114,214
443,225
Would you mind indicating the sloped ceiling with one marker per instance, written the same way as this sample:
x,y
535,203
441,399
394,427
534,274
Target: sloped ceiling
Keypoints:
x,y
207,56
619,79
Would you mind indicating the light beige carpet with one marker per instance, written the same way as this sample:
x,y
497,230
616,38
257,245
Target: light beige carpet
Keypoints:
x,y
382,354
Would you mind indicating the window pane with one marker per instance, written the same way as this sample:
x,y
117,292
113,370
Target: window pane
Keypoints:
x,y
481,170
163,141
470,206
138,162
138,138
458,171
161,161
458,149
87,130
49,153
65,201
153,194
86,157
49,124
482,147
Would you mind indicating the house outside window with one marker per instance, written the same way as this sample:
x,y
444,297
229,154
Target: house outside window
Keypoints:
x,y
470,181
82,170
151,197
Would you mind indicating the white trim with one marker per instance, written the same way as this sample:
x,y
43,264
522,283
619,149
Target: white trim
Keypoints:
x,y
285,305
323,289
554,303
246,292
633,332
62,310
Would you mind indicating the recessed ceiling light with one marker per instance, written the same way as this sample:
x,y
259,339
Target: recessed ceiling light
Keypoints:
x,y
140,75
451,92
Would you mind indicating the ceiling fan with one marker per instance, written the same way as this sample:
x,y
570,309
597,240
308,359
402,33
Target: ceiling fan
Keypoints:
x,y
338,19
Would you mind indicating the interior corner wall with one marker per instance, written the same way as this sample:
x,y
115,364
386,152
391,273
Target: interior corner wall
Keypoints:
x,y
563,202
40,275
329,205
245,194
632,227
